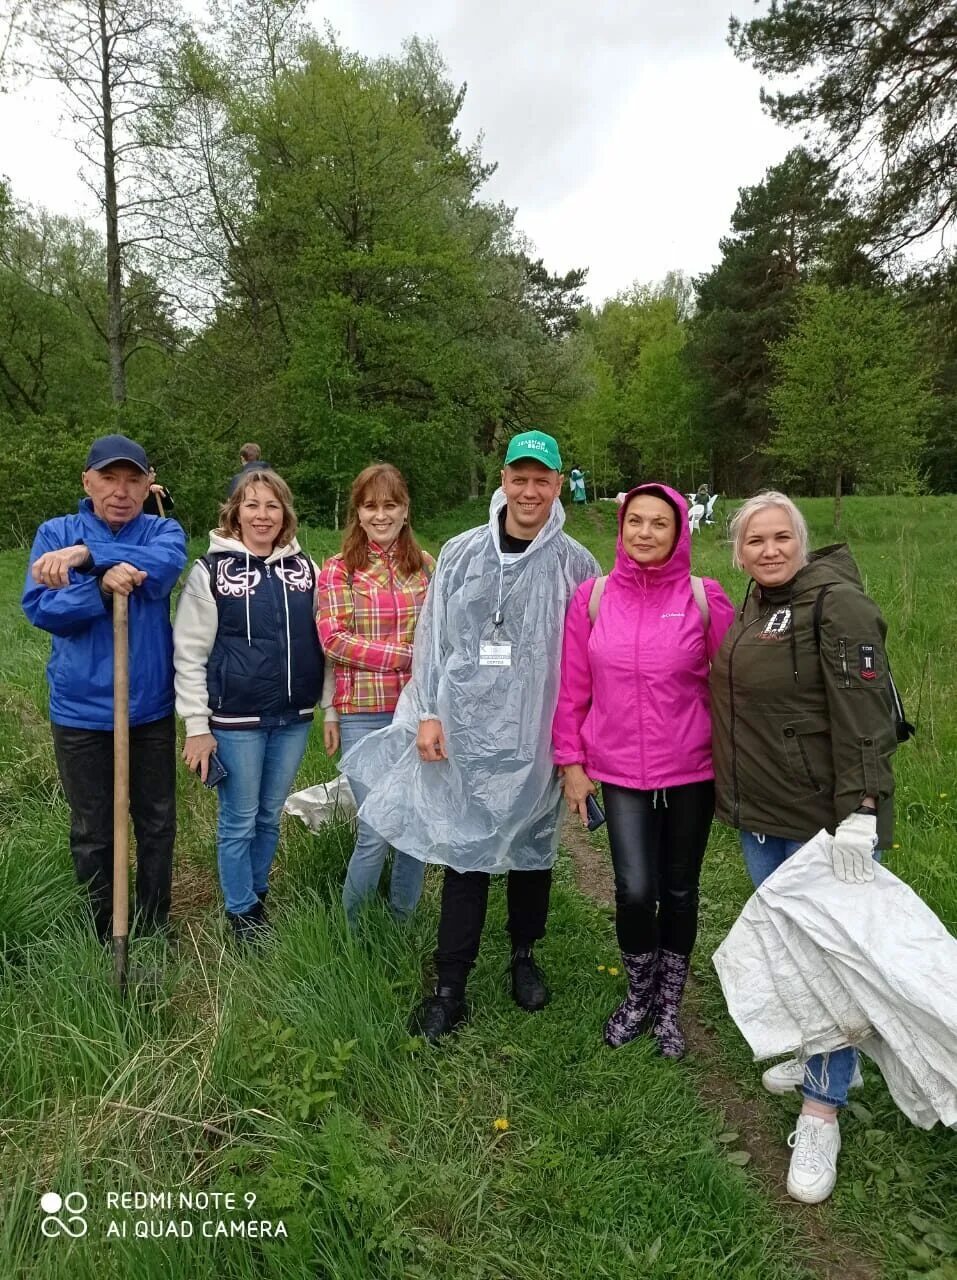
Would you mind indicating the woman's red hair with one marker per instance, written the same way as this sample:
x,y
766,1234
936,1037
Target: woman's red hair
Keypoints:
x,y
382,483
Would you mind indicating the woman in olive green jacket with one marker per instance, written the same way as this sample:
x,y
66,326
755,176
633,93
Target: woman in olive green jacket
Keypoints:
x,y
802,739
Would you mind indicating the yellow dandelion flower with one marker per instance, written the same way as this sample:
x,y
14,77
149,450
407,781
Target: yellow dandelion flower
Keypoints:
x,y
613,971
501,1124
942,796
895,846
601,968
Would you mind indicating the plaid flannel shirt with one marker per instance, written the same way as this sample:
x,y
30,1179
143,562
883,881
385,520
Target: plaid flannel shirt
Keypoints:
x,y
366,624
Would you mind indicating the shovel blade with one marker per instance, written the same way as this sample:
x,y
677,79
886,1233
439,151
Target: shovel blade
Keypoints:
x,y
120,957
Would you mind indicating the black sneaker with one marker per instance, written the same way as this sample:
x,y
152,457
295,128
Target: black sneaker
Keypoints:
x,y
249,927
440,1014
528,982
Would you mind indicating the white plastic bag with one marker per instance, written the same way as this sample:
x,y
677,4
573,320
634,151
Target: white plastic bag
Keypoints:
x,y
813,964
326,802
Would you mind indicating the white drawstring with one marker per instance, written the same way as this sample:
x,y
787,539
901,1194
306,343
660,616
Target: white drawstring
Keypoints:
x,y
285,600
664,798
249,639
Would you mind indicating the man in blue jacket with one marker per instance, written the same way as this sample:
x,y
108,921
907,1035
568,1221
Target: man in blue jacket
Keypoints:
x,y
78,564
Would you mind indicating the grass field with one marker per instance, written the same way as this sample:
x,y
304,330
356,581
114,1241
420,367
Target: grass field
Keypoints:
x,y
288,1080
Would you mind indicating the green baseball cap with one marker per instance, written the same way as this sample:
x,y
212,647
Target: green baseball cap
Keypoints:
x,y
536,445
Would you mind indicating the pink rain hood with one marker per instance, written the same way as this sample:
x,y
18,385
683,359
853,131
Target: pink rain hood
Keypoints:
x,y
633,706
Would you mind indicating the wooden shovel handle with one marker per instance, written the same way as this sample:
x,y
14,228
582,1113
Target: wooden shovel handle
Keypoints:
x,y
121,784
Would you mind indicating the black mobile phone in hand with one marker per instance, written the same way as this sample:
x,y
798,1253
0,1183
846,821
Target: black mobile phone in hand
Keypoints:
x,y
595,816
214,771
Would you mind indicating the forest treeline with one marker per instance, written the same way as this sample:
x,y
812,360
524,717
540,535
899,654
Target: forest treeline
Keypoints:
x,y
295,249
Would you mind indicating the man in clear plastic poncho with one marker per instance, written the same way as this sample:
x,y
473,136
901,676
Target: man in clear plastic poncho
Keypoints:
x,y
464,776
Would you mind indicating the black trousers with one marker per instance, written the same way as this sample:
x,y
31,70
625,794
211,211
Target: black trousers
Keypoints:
x,y
657,843
462,917
84,760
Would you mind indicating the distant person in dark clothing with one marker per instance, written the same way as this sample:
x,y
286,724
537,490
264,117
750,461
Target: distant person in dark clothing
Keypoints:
x,y
250,455
159,500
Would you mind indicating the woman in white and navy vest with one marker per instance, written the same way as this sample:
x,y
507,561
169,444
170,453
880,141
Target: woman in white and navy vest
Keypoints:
x,y
249,670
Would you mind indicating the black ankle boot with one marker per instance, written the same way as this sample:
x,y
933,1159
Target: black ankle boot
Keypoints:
x,y
528,982
249,927
441,1013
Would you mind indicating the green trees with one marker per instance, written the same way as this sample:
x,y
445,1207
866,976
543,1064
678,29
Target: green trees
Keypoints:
x,y
296,248
370,303
107,57
851,397
878,87
639,413
792,227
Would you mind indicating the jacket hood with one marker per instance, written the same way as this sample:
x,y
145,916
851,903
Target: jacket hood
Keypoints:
x,y
827,567
553,525
678,564
218,543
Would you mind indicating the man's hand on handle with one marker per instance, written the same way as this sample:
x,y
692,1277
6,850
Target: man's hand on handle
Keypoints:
x,y
122,579
430,741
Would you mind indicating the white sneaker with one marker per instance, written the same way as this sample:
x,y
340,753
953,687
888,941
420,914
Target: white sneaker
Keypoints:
x,y
813,1170
784,1077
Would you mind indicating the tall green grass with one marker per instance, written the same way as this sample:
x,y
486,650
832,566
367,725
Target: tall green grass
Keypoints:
x,y
290,1074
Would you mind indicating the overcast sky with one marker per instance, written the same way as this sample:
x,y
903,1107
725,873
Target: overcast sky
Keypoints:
x,y
622,128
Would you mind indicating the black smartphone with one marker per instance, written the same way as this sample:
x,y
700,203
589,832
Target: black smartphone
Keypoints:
x,y
215,772
595,815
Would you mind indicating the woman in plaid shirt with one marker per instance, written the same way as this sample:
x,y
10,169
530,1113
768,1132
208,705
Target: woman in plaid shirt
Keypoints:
x,y
370,596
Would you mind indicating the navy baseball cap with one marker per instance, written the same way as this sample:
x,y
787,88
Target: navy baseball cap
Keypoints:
x,y
110,449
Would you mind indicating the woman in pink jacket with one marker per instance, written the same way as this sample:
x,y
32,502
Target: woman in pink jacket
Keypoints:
x,y
633,714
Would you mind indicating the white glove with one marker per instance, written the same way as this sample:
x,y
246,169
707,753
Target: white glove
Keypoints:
x,y
852,849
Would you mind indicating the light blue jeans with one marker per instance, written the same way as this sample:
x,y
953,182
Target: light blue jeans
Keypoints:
x,y
369,855
260,765
827,1076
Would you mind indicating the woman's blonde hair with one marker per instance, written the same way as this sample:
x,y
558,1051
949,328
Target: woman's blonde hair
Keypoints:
x,y
229,526
762,501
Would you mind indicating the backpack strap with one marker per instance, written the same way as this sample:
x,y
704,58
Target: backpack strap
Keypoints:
x,y
701,600
594,600
903,729
697,588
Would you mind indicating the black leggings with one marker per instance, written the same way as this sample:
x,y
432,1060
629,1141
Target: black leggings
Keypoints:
x,y
657,842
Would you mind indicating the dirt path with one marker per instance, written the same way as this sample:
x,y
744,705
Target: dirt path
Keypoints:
x,y
830,1256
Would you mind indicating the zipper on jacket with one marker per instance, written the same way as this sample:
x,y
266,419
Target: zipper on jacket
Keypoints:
x,y
735,793
842,650
735,798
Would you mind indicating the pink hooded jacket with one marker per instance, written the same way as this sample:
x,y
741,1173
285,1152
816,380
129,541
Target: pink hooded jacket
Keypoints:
x,y
633,705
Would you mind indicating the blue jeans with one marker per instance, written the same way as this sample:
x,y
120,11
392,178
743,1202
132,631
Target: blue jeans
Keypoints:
x,y
261,765
369,855
827,1076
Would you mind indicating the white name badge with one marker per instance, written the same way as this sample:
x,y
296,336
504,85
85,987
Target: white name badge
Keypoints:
x,y
495,655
